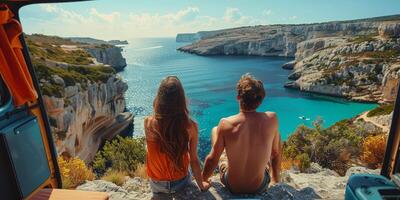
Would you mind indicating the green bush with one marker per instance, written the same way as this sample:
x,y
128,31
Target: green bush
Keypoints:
x,y
363,38
332,147
41,46
52,90
304,161
383,109
121,154
71,76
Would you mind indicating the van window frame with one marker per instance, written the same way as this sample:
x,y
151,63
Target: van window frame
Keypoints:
x,y
6,103
391,162
391,156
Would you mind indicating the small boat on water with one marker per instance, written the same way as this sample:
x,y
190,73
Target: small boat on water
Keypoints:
x,y
304,118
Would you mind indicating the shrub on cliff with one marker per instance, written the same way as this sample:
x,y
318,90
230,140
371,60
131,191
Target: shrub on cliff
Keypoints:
x,y
373,150
71,76
383,109
121,154
304,162
74,172
116,177
49,47
332,147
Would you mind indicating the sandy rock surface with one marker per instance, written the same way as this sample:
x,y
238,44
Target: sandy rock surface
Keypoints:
x,y
319,183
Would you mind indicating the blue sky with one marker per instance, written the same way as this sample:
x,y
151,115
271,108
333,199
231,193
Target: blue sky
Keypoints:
x,y
126,19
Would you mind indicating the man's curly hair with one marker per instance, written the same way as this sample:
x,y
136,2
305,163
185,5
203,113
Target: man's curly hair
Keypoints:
x,y
250,92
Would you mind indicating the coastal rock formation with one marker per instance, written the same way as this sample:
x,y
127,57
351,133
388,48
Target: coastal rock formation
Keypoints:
x,y
84,117
137,188
281,40
289,65
390,30
84,99
89,40
193,37
108,55
187,37
364,68
358,59
318,183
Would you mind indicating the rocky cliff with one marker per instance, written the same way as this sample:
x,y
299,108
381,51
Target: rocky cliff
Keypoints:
x,y
316,184
187,37
364,68
84,99
194,37
108,55
356,59
89,40
82,118
277,40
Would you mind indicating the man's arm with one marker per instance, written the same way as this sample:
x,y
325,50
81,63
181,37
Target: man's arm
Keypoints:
x,y
276,156
212,159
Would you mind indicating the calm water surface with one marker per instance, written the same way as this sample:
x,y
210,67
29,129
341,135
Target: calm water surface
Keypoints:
x,y
209,83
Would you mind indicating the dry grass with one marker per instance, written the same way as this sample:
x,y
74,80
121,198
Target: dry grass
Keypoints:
x,y
74,172
287,163
141,171
373,150
116,177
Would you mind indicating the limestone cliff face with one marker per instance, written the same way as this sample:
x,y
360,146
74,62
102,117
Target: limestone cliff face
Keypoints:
x,y
187,37
359,68
274,40
84,117
356,59
108,55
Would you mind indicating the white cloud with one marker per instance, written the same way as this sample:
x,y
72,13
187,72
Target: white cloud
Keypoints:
x,y
234,17
117,25
63,14
48,7
293,17
267,12
189,13
106,17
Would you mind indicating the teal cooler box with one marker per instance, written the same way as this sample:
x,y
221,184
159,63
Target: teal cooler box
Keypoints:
x,y
371,186
23,162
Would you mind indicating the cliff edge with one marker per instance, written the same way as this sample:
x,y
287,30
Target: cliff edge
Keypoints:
x,y
361,68
84,98
277,40
357,59
318,183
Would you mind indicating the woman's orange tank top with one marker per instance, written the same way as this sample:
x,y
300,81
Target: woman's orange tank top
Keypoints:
x,y
160,167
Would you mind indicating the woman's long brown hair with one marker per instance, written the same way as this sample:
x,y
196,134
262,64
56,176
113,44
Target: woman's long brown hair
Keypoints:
x,y
173,121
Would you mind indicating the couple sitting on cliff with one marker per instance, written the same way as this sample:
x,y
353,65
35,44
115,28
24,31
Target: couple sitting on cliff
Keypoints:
x,y
245,147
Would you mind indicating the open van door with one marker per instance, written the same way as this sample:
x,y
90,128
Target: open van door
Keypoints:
x,y
28,157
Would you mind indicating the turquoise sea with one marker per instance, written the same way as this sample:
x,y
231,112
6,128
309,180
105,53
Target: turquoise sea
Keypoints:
x,y
210,82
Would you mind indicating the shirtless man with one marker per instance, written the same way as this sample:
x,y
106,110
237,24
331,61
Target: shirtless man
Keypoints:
x,y
251,142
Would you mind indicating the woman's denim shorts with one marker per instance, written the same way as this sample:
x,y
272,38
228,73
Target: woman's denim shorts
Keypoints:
x,y
169,187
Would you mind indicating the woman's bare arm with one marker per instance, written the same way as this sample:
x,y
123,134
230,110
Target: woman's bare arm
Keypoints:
x,y
194,158
217,148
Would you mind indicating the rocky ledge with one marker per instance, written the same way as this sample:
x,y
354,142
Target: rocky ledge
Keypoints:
x,y
362,68
82,93
358,59
108,55
83,117
274,40
317,183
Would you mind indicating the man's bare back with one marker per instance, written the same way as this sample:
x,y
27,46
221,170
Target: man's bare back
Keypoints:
x,y
249,139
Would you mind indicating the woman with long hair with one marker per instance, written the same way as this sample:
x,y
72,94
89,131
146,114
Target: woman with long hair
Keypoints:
x,y
171,137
